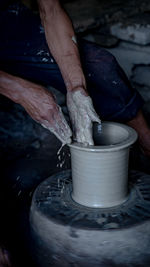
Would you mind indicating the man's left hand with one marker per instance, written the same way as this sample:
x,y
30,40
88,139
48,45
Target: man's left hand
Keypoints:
x,y
82,115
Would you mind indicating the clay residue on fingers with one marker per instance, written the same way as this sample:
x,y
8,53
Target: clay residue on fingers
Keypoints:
x,y
82,115
60,128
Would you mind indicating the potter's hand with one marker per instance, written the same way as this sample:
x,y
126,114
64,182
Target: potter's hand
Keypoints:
x,y
41,106
38,102
82,114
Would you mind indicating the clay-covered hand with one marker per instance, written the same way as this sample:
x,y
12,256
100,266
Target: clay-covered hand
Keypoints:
x,y
41,106
82,115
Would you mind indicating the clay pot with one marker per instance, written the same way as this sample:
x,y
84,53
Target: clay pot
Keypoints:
x,y
100,172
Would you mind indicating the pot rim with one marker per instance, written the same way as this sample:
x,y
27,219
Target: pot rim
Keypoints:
x,y
132,137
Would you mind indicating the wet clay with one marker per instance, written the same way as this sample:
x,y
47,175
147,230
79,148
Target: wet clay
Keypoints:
x,y
61,158
60,128
82,116
100,173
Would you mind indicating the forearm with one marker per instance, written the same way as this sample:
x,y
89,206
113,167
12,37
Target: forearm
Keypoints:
x,y
59,32
17,89
10,86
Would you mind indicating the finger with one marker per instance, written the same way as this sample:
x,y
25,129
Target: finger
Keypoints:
x,y
64,135
91,111
65,138
85,138
64,123
55,132
63,131
88,133
93,115
74,117
95,118
60,124
85,135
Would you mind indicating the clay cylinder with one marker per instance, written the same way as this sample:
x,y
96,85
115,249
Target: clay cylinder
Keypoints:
x,y
100,172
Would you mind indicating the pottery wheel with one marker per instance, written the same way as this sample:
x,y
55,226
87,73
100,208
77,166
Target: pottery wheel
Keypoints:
x,y
64,233
53,199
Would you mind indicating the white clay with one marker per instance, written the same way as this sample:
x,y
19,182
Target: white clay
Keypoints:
x,y
82,115
100,173
60,129
61,158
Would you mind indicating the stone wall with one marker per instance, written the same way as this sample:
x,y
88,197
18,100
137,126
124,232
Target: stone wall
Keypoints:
x,y
124,30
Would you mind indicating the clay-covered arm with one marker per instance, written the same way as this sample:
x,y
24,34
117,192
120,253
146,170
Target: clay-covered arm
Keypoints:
x,y
38,102
61,40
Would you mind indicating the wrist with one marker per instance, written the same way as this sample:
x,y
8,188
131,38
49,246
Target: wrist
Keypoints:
x,y
76,82
80,88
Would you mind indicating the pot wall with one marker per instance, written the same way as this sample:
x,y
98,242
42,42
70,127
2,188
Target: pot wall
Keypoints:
x,y
100,173
99,179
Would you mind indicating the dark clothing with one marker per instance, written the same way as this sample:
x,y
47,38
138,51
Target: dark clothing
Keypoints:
x,y
24,53
5,4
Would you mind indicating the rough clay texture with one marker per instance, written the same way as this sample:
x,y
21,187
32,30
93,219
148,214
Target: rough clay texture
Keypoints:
x,y
82,114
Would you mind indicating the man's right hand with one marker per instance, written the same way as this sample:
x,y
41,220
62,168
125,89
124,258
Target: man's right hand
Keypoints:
x,y
39,104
